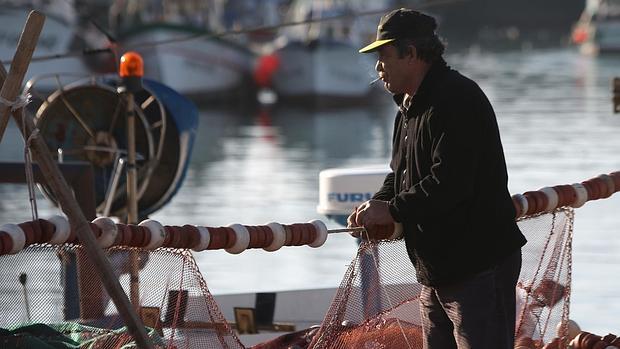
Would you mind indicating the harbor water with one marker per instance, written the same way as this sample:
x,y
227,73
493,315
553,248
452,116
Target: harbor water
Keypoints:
x,y
554,109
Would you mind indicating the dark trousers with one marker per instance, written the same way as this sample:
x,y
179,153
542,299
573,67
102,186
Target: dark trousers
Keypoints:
x,y
477,313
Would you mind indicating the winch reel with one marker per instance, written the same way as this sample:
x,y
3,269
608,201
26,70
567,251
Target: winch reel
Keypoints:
x,y
85,120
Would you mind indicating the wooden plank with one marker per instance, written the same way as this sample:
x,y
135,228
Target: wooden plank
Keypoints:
x,y
21,60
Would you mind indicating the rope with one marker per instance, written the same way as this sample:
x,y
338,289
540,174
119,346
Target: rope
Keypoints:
x,y
20,103
28,158
387,294
30,175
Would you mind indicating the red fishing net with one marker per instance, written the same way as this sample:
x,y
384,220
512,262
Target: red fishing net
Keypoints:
x,y
377,305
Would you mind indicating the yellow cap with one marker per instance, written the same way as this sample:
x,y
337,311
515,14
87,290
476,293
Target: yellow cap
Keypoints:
x,y
375,45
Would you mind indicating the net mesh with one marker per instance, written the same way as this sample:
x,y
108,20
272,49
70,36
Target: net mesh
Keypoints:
x,y
377,304
59,286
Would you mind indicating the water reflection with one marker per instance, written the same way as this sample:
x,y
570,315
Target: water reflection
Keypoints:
x,y
335,135
271,159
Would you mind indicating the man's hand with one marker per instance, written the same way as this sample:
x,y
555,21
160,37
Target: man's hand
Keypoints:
x,y
374,215
352,224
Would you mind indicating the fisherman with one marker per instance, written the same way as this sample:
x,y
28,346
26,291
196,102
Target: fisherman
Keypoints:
x,y
448,189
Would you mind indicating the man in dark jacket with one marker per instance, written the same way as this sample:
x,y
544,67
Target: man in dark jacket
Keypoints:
x,y
448,189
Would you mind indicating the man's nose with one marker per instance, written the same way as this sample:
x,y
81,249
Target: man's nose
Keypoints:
x,y
378,66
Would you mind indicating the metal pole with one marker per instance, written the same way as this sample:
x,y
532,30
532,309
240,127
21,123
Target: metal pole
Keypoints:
x,y
119,167
132,195
346,230
132,175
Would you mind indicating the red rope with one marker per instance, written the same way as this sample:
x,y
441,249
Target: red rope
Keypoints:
x,y
193,235
311,233
585,340
600,187
6,244
257,238
566,194
124,235
268,235
138,236
97,232
176,239
221,238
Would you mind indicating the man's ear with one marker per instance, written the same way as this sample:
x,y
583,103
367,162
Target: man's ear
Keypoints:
x,y
413,53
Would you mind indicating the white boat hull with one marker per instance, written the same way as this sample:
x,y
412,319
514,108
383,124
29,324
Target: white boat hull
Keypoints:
x,y
322,70
57,38
598,29
302,309
200,68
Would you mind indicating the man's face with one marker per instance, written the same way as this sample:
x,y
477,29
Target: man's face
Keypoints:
x,y
395,71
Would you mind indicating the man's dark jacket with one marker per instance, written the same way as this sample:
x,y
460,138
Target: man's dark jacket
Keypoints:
x,y
448,185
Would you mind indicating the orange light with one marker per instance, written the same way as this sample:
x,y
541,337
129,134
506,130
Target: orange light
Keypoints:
x,y
132,65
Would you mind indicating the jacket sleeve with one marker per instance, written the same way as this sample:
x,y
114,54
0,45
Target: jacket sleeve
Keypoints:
x,y
386,192
455,133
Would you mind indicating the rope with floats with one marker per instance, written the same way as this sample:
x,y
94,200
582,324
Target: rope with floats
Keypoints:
x,y
151,234
236,238
148,44
575,195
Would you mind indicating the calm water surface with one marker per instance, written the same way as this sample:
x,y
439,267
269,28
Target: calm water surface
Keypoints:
x,y
555,114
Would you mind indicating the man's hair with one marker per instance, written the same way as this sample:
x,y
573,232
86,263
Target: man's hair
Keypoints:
x,y
429,49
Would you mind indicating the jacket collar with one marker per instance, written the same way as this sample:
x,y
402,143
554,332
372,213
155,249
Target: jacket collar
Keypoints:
x,y
431,76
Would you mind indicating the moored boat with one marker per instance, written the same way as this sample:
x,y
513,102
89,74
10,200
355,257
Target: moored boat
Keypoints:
x,y
314,72
318,63
182,46
598,28
203,68
59,36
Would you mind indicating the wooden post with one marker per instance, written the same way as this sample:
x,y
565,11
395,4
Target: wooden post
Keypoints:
x,y
73,211
25,47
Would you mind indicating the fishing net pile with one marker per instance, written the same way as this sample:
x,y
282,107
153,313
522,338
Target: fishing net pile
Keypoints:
x,y
377,304
52,297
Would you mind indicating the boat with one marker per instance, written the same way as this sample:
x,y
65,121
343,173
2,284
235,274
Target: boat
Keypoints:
x,y
307,65
598,28
313,73
61,35
203,69
181,51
